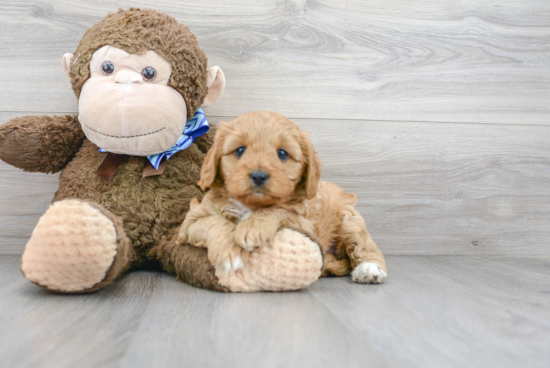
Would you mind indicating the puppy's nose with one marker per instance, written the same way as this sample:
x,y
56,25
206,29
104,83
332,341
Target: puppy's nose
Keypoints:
x,y
259,177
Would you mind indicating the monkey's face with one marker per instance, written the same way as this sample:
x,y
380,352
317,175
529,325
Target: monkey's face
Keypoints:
x,y
126,106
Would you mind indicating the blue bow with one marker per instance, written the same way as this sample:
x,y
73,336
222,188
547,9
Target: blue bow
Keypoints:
x,y
195,127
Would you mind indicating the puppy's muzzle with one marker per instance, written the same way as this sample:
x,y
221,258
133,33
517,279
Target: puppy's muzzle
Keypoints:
x,y
259,177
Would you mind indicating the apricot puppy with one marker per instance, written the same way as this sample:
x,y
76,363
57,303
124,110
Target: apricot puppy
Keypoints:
x,y
264,175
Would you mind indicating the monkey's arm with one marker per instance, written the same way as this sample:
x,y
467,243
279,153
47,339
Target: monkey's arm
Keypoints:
x,y
40,143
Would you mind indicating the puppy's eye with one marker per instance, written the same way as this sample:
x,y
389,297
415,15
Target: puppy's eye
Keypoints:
x,y
239,151
283,155
149,73
108,68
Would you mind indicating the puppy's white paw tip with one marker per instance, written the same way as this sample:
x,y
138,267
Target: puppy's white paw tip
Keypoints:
x,y
237,263
232,266
226,266
368,273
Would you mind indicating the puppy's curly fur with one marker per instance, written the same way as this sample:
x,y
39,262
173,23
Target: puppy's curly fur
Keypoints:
x,y
264,175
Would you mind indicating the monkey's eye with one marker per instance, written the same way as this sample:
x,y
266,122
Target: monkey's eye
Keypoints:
x,y
149,73
283,155
108,68
239,151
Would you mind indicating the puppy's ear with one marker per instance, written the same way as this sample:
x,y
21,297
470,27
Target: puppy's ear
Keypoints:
x,y
209,170
312,170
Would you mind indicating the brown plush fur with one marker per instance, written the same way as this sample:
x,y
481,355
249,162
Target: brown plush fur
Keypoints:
x,y
40,143
144,210
125,251
138,30
149,208
190,264
293,196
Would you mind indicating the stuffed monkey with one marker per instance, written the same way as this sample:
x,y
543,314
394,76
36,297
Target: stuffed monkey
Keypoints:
x,y
130,162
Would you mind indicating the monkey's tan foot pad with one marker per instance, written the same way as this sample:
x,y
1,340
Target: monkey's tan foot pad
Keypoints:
x,y
292,261
71,249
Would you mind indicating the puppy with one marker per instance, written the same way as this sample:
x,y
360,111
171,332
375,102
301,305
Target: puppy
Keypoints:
x,y
263,175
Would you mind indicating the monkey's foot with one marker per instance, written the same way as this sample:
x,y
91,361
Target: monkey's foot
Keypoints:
x,y
292,261
73,248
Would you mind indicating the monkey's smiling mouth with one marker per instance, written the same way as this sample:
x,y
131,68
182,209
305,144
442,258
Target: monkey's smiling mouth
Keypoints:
x,y
124,136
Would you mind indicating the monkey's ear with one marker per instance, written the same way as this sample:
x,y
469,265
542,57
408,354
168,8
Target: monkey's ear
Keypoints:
x,y
66,65
215,81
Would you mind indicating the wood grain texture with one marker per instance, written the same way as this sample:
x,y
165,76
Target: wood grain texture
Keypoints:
x,y
443,188
533,264
423,188
456,311
436,311
43,329
243,330
446,61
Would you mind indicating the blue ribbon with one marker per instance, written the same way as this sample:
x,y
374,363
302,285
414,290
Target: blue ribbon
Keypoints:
x,y
195,127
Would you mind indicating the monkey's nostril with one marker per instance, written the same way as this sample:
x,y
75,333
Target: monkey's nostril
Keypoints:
x,y
259,177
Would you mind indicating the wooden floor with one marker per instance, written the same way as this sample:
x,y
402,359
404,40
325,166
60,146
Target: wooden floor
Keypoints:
x,y
434,311
436,113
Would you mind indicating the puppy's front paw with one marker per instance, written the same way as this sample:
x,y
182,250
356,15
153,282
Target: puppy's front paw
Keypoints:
x,y
182,235
229,258
250,235
368,273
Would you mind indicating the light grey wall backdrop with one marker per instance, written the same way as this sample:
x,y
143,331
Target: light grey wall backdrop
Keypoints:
x,y
436,113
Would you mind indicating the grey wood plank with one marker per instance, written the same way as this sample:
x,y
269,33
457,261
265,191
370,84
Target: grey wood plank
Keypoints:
x,y
454,311
423,188
537,264
428,188
43,329
433,311
189,327
447,61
